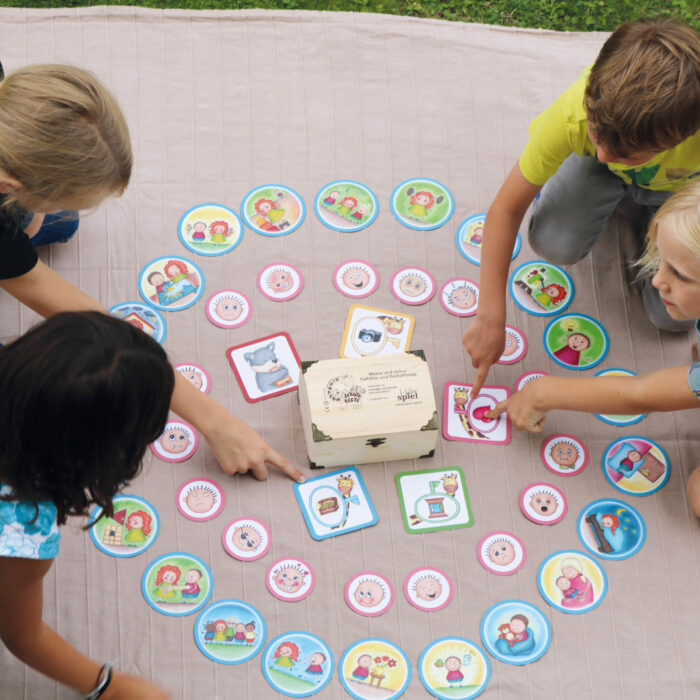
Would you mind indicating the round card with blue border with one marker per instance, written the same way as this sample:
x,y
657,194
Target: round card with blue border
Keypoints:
x,y
422,204
636,465
454,667
171,283
273,210
177,584
374,667
540,288
611,529
210,229
618,419
470,235
576,341
230,631
144,317
297,664
131,530
515,632
346,206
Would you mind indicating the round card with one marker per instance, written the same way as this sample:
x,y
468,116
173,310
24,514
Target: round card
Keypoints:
x,y
469,238
564,454
230,632
290,579
477,408
200,499
515,632
460,296
355,278
543,503
246,539
177,442
280,281
454,667
572,581
618,419
177,584
611,529
171,283
501,553
297,664
210,229
540,288
374,668
428,589
228,308
636,465
526,378
131,530
346,206
422,204
516,346
143,317
369,594
273,210
413,285
195,375
576,341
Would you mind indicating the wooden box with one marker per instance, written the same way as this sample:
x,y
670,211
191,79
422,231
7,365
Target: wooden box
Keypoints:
x,y
368,409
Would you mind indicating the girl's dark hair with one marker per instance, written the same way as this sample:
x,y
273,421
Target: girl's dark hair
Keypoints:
x,y
82,395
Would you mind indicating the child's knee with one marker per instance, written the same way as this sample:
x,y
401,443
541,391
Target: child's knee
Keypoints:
x,y
694,491
547,241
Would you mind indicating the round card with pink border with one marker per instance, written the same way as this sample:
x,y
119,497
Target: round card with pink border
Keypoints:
x,y
369,593
543,503
290,579
526,378
355,278
428,589
501,553
413,285
516,346
195,375
228,308
460,296
280,281
246,539
564,454
177,442
200,499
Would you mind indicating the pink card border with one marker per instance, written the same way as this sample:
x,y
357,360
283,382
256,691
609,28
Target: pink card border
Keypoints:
x,y
312,574
445,411
362,612
412,303
449,310
269,296
235,324
201,369
231,553
211,516
491,570
586,455
413,602
178,459
356,296
524,352
549,486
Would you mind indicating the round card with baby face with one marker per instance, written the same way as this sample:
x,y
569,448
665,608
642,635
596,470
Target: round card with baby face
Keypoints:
x,y
543,503
131,529
177,442
564,454
230,632
228,308
525,379
195,375
210,229
636,465
470,237
346,206
610,529
273,210
572,581
171,283
515,348
177,584
413,285
540,288
290,579
246,539
454,667
428,589
144,317
369,593
501,553
614,419
374,668
460,296
422,204
576,341
280,281
200,499
355,278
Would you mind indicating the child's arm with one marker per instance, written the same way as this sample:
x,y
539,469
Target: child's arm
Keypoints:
x,y
484,340
236,446
663,390
33,642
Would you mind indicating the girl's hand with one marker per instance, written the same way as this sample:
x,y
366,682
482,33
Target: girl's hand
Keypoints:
x,y
485,342
521,407
123,687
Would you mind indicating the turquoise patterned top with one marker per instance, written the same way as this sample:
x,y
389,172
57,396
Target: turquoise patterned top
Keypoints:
x,y
23,536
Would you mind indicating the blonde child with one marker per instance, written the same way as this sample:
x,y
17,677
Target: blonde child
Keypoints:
x,y
673,256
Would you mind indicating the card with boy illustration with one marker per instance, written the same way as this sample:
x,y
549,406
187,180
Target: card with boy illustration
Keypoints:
x,y
464,416
370,331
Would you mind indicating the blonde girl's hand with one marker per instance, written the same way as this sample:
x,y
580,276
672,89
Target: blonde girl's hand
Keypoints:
x,y
522,410
124,687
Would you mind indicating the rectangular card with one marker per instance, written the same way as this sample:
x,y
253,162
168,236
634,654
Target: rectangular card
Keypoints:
x,y
463,417
335,503
434,499
370,332
265,367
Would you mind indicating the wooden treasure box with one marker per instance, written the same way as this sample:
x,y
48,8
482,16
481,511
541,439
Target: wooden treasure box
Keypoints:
x,y
368,409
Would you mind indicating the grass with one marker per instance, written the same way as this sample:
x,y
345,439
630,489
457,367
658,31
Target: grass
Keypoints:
x,y
562,15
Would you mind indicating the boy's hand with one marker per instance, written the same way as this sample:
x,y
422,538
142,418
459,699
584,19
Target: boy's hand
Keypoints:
x,y
485,342
521,409
123,687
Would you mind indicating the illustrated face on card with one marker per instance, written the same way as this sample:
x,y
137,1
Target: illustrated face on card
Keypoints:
x,y
346,206
465,417
210,229
636,465
369,661
273,210
131,530
370,331
145,318
177,442
195,375
171,283
454,667
200,499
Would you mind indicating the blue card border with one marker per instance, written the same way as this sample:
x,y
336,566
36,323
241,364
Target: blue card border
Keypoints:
x,y
553,312
354,229
635,437
161,307
432,227
606,338
160,338
602,555
199,252
620,424
291,229
462,250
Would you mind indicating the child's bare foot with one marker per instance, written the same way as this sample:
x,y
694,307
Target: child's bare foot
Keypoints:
x,y
694,491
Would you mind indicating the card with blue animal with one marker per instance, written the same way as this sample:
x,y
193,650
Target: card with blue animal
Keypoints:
x,y
370,332
465,416
335,503
265,367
